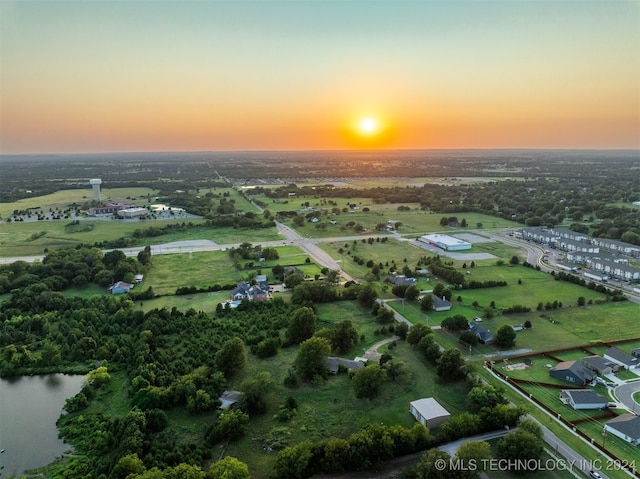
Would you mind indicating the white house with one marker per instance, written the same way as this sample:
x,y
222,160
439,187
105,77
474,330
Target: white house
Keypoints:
x,y
626,427
583,398
620,357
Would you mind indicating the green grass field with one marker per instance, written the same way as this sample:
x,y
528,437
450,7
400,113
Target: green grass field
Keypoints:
x,y
414,223
572,327
16,238
204,269
385,253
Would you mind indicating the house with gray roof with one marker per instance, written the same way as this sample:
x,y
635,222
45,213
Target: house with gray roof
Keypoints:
x,y
229,399
484,335
600,365
292,269
583,398
121,287
333,364
622,358
440,304
401,280
255,292
573,372
626,427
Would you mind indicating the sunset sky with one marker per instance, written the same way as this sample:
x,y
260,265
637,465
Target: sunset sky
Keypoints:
x,y
116,76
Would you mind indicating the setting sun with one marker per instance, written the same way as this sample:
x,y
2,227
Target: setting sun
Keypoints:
x,y
368,126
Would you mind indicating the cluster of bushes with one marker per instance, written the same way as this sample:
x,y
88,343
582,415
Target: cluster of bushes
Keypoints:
x,y
516,308
373,445
182,290
485,284
446,273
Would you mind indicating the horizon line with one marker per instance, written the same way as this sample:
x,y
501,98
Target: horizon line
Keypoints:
x,y
354,150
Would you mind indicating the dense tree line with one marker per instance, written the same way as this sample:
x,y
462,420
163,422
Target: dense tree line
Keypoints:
x,y
71,267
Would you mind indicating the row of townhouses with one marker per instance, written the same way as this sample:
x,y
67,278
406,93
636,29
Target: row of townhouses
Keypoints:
x,y
599,255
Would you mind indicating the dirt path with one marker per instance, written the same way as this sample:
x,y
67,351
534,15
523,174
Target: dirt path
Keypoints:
x,y
372,353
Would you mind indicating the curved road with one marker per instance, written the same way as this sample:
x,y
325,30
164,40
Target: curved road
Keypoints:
x,y
625,393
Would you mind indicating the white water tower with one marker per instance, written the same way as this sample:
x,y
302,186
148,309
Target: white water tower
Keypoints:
x,y
95,184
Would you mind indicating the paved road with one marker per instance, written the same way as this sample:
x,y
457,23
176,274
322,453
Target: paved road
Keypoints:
x,y
625,392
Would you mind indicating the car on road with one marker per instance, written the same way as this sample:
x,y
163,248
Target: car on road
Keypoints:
x,y
594,475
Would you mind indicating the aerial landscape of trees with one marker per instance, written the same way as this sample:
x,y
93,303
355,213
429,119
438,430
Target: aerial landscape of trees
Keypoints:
x,y
162,369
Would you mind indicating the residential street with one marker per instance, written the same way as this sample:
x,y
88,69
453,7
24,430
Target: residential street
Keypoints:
x,y
625,392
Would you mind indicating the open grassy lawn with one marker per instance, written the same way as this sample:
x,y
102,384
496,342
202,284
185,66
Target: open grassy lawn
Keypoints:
x,y
88,291
532,291
204,269
386,253
222,235
574,326
628,346
199,269
17,238
538,371
414,222
573,355
498,249
550,397
112,399
206,302
605,322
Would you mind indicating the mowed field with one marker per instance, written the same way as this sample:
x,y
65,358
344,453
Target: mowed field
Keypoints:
x,y
415,222
205,269
25,239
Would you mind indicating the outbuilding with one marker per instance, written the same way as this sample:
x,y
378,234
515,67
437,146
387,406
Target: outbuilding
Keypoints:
x,y
120,287
429,412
